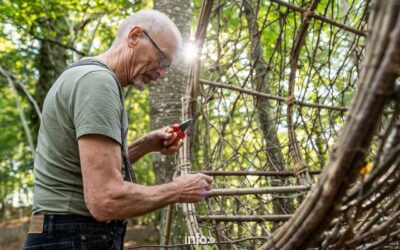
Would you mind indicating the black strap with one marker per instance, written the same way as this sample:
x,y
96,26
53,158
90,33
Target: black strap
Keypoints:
x,y
127,168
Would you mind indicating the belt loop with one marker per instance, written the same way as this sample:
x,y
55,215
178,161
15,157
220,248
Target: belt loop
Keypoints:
x,y
50,225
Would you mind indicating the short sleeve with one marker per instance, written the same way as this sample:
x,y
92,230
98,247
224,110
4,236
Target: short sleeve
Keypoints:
x,y
96,105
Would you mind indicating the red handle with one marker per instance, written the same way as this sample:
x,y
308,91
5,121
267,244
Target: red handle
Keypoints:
x,y
175,127
179,134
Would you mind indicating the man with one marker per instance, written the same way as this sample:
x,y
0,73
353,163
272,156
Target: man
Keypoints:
x,y
80,196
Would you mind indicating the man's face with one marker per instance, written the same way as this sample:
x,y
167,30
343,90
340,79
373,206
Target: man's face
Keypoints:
x,y
153,57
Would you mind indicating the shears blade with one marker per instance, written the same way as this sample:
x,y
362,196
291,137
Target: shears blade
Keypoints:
x,y
184,125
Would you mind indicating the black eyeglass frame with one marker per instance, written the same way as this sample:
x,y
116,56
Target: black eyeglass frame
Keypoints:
x,y
164,63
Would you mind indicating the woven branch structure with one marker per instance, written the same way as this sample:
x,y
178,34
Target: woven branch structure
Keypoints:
x,y
299,126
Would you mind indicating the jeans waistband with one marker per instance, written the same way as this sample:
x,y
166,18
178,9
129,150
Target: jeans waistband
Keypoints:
x,y
78,219
71,230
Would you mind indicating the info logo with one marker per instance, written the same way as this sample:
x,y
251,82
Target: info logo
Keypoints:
x,y
199,240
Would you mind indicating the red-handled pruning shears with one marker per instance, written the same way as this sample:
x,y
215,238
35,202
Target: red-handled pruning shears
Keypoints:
x,y
179,129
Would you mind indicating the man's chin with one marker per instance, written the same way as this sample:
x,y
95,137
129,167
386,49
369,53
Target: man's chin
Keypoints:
x,y
139,84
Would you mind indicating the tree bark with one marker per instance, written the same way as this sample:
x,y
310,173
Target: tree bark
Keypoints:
x,y
52,60
165,103
165,95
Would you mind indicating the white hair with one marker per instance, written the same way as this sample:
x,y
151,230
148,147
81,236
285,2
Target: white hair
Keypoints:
x,y
152,21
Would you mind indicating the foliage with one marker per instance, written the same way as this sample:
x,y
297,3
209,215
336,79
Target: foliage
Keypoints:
x,y
228,135
76,27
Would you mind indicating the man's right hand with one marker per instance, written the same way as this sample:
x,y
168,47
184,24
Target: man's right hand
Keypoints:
x,y
192,187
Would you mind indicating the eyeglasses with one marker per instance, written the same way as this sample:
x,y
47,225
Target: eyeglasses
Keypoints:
x,y
164,63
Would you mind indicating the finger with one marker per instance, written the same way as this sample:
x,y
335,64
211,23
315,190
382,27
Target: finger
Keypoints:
x,y
165,151
174,146
208,178
206,194
166,134
169,150
170,140
206,185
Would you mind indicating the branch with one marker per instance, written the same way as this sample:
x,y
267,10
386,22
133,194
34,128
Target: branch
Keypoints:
x,y
266,190
26,92
377,83
272,97
253,173
59,44
320,17
244,218
20,111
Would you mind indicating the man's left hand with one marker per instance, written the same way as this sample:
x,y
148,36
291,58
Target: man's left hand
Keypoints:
x,y
161,141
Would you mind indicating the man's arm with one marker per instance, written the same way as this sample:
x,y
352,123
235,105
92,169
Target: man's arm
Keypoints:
x,y
157,140
109,197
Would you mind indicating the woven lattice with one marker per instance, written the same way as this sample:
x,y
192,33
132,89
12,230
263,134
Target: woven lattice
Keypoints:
x,y
299,96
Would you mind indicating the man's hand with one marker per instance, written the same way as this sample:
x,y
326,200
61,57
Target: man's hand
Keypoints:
x,y
192,187
156,141
161,141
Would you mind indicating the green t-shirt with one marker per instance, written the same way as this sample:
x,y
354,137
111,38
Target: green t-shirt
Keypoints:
x,y
83,100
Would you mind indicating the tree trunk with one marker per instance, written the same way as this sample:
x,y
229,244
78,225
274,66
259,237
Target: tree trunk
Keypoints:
x,y
165,101
265,109
165,95
52,60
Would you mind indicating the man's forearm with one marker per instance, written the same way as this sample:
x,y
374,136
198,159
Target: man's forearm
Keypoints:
x,y
137,150
108,196
134,200
156,141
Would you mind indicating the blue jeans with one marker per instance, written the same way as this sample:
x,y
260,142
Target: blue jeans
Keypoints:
x,y
77,232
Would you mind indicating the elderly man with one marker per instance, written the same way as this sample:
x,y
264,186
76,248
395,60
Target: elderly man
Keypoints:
x,y
82,191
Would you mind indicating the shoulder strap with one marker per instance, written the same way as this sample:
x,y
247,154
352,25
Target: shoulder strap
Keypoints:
x,y
127,168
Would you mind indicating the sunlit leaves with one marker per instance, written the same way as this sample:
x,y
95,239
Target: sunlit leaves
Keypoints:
x,y
88,26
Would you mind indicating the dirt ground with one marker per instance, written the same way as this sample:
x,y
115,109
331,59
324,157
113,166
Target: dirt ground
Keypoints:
x,y
13,233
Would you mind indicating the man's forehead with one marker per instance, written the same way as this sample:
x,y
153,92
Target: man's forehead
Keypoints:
x,y
167,42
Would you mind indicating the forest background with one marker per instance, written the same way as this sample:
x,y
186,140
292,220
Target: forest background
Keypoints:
x,y
38,39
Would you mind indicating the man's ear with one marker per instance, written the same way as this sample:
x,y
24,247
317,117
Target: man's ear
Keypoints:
x,y
133,36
